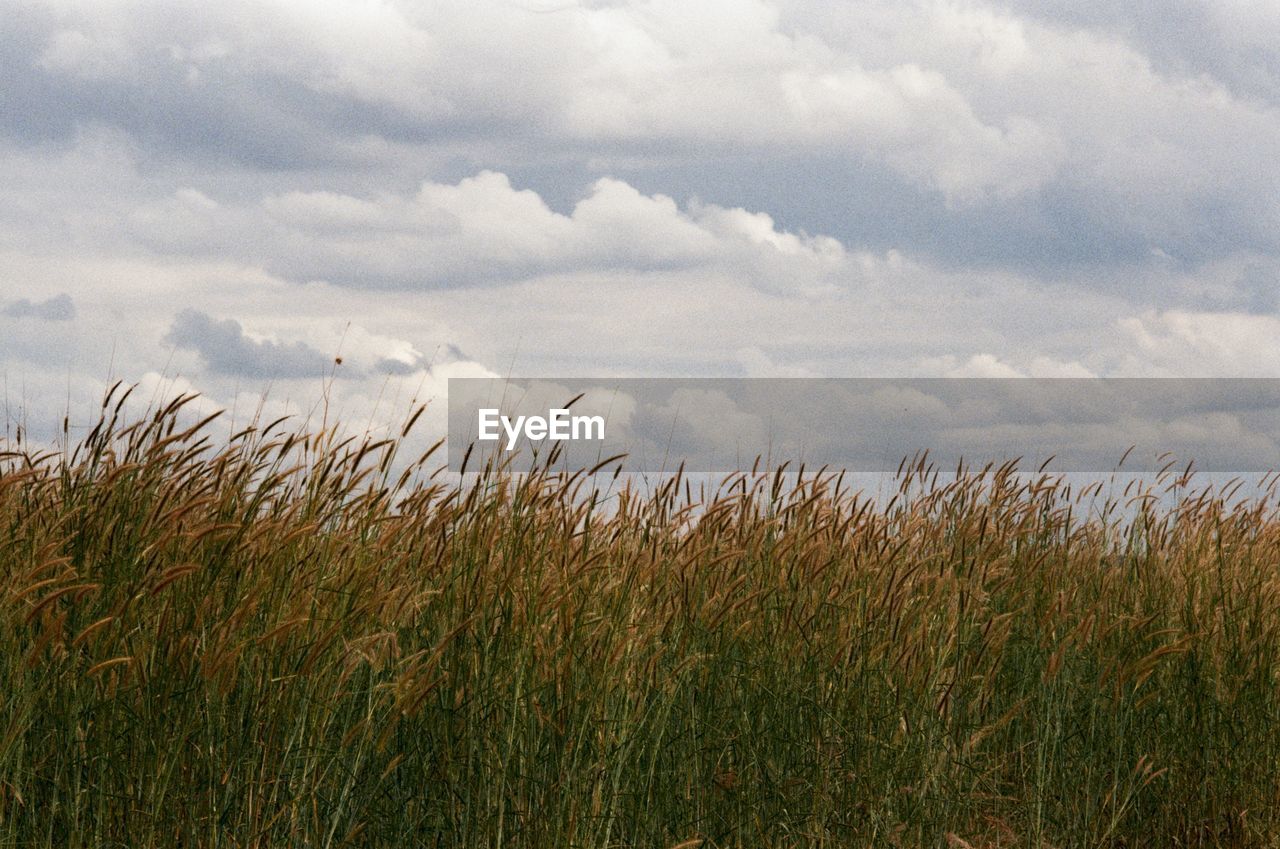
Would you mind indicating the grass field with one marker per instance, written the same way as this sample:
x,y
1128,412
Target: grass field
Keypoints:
x,y
291,640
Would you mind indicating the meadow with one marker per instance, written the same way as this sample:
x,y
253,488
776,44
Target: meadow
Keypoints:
x,y
292,639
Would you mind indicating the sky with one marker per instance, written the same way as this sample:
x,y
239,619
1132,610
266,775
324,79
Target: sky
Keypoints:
x,y
229,197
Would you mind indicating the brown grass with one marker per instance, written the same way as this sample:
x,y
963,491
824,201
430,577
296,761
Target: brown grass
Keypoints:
x,y
292,639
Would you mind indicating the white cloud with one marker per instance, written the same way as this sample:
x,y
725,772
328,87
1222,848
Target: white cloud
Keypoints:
x,y
1042,366
482,229
984,365
1194,344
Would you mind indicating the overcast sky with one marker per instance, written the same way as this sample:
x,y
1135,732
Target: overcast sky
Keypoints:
x,y
226,196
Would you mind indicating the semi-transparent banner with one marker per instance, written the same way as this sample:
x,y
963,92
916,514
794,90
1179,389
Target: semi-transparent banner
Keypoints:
x,y
867,424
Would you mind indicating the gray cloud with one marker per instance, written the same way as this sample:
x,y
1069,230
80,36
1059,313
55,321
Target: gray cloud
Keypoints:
x,y
225,348
1231,41
395,367
184,86
57,308
1040,136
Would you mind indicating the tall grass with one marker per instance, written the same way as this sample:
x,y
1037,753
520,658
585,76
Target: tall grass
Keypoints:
x,y
289,640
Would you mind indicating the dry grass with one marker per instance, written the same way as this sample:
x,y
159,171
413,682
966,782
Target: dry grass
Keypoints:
x,y
286,640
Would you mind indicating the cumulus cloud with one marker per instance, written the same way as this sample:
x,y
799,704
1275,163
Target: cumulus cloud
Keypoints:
x,y
244,80
979,104
482,229
986,365
1183,342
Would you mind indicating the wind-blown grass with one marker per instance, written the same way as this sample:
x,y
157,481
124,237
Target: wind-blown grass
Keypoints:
x,y
284,640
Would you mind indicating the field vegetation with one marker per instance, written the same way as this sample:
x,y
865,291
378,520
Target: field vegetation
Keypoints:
x,y
290,639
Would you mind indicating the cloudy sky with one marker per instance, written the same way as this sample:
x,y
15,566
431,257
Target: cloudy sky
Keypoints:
x,y
227,196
